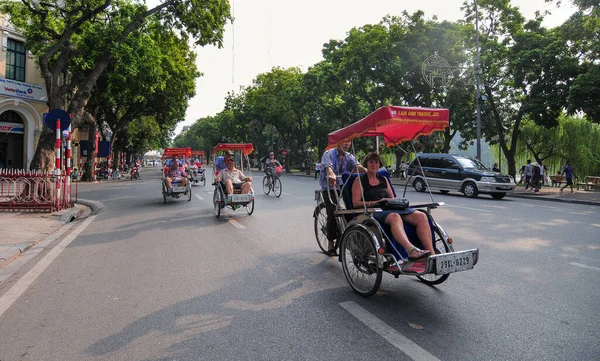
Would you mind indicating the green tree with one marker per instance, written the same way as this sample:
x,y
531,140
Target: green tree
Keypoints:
x,y
526,73
164,69
74,42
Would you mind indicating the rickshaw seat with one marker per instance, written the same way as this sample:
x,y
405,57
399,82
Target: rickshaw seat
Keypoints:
x,y
411,231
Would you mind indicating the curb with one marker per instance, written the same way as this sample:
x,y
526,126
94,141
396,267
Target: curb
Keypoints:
x,y
544,198
95,206
69,216
513,195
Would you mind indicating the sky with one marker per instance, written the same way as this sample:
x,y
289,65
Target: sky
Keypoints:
x,y
289,33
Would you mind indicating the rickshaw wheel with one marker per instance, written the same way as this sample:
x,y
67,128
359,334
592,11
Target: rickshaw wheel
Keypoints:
x,y
164,192
277,188
189,192
320,216
217,202
360,261
266,185
440,247
204,180
250,207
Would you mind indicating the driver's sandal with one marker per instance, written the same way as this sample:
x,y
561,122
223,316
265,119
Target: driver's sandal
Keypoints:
x,y
421,254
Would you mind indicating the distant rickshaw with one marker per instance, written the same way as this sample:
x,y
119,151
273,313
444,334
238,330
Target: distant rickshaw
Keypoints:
x,y
197,175
178,190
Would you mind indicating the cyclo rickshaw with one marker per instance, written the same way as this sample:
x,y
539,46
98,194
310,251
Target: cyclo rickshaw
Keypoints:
x,y
237,200
178,190
197,175
366,247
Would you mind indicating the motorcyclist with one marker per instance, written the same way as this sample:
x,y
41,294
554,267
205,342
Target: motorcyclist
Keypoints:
x,y
135,172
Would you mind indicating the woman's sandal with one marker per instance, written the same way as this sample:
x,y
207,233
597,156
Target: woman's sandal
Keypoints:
x,y
422,254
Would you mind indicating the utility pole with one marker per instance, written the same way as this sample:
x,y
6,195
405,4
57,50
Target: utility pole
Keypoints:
x,y
477,73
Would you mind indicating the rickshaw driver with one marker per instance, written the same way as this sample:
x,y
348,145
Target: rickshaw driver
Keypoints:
x,y
234,178
175,173
335,162
221,161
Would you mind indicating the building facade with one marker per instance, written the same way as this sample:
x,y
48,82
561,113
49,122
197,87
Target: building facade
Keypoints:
x,y
22,100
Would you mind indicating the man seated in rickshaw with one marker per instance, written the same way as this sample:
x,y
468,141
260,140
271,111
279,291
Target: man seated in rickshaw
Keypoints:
x,y
270,164
175,173
192,168
376,188
233,178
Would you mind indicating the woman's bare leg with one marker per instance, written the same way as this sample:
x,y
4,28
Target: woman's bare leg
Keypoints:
x,y
395,222
420,221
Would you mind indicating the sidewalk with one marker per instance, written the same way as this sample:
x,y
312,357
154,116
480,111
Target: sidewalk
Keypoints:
x,y
546,193
21,231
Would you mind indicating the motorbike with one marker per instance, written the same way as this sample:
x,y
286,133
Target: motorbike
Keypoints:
x,y
135,173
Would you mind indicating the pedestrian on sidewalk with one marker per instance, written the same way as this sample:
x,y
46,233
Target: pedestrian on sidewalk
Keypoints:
x,y
536,177
528,173
569,172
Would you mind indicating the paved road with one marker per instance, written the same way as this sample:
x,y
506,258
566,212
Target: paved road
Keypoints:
x,y
145,280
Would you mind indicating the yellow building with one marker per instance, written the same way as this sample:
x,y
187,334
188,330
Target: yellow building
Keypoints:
x,y
22,100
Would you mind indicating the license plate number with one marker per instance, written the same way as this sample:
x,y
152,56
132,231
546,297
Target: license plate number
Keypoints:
x,y
238,198
453,262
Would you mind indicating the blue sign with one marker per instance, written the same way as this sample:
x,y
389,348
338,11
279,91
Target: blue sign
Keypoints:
x,y
57,114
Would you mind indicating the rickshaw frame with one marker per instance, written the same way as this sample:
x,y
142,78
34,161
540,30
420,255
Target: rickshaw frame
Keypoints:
x,y
200,175
220,201
371,259
178,191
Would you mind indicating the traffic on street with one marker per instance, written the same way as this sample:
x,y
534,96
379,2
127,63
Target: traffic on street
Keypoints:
x,y
146,280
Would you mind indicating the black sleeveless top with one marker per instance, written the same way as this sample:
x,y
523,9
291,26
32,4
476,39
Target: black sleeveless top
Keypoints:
x,y
374,193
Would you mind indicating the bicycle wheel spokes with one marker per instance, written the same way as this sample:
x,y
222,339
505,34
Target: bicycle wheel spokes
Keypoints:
x,y
277,188
360,261
266,185
320,225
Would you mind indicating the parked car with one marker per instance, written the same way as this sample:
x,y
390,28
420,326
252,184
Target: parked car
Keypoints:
x,y
447,172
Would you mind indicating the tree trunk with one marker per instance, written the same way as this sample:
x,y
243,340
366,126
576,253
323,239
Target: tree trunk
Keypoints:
x,y
45,154
89,164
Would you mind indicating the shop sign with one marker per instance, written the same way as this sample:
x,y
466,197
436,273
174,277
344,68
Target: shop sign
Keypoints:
x,y
14,128
18,89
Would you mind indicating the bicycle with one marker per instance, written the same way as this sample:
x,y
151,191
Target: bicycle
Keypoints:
x,y
271,182
116,175
320,216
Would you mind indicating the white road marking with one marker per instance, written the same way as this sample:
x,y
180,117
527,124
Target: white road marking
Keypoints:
x,y
402,343
287,194
473,209
199,197
17,290
236,224
585,266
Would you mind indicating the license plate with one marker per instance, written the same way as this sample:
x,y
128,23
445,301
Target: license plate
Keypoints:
x,y
505,187
239,198
453,262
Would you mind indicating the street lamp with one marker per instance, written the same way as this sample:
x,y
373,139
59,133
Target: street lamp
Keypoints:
x,y
477,72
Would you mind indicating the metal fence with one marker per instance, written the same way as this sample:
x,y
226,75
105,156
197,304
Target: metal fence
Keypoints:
x,y
33,191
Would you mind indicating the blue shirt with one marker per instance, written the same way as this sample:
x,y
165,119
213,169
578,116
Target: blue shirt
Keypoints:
x,y
220,163
331,159
569,171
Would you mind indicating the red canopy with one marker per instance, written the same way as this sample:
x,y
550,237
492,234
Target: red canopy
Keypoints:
x,y
199,153
177,152
247,148
395,124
